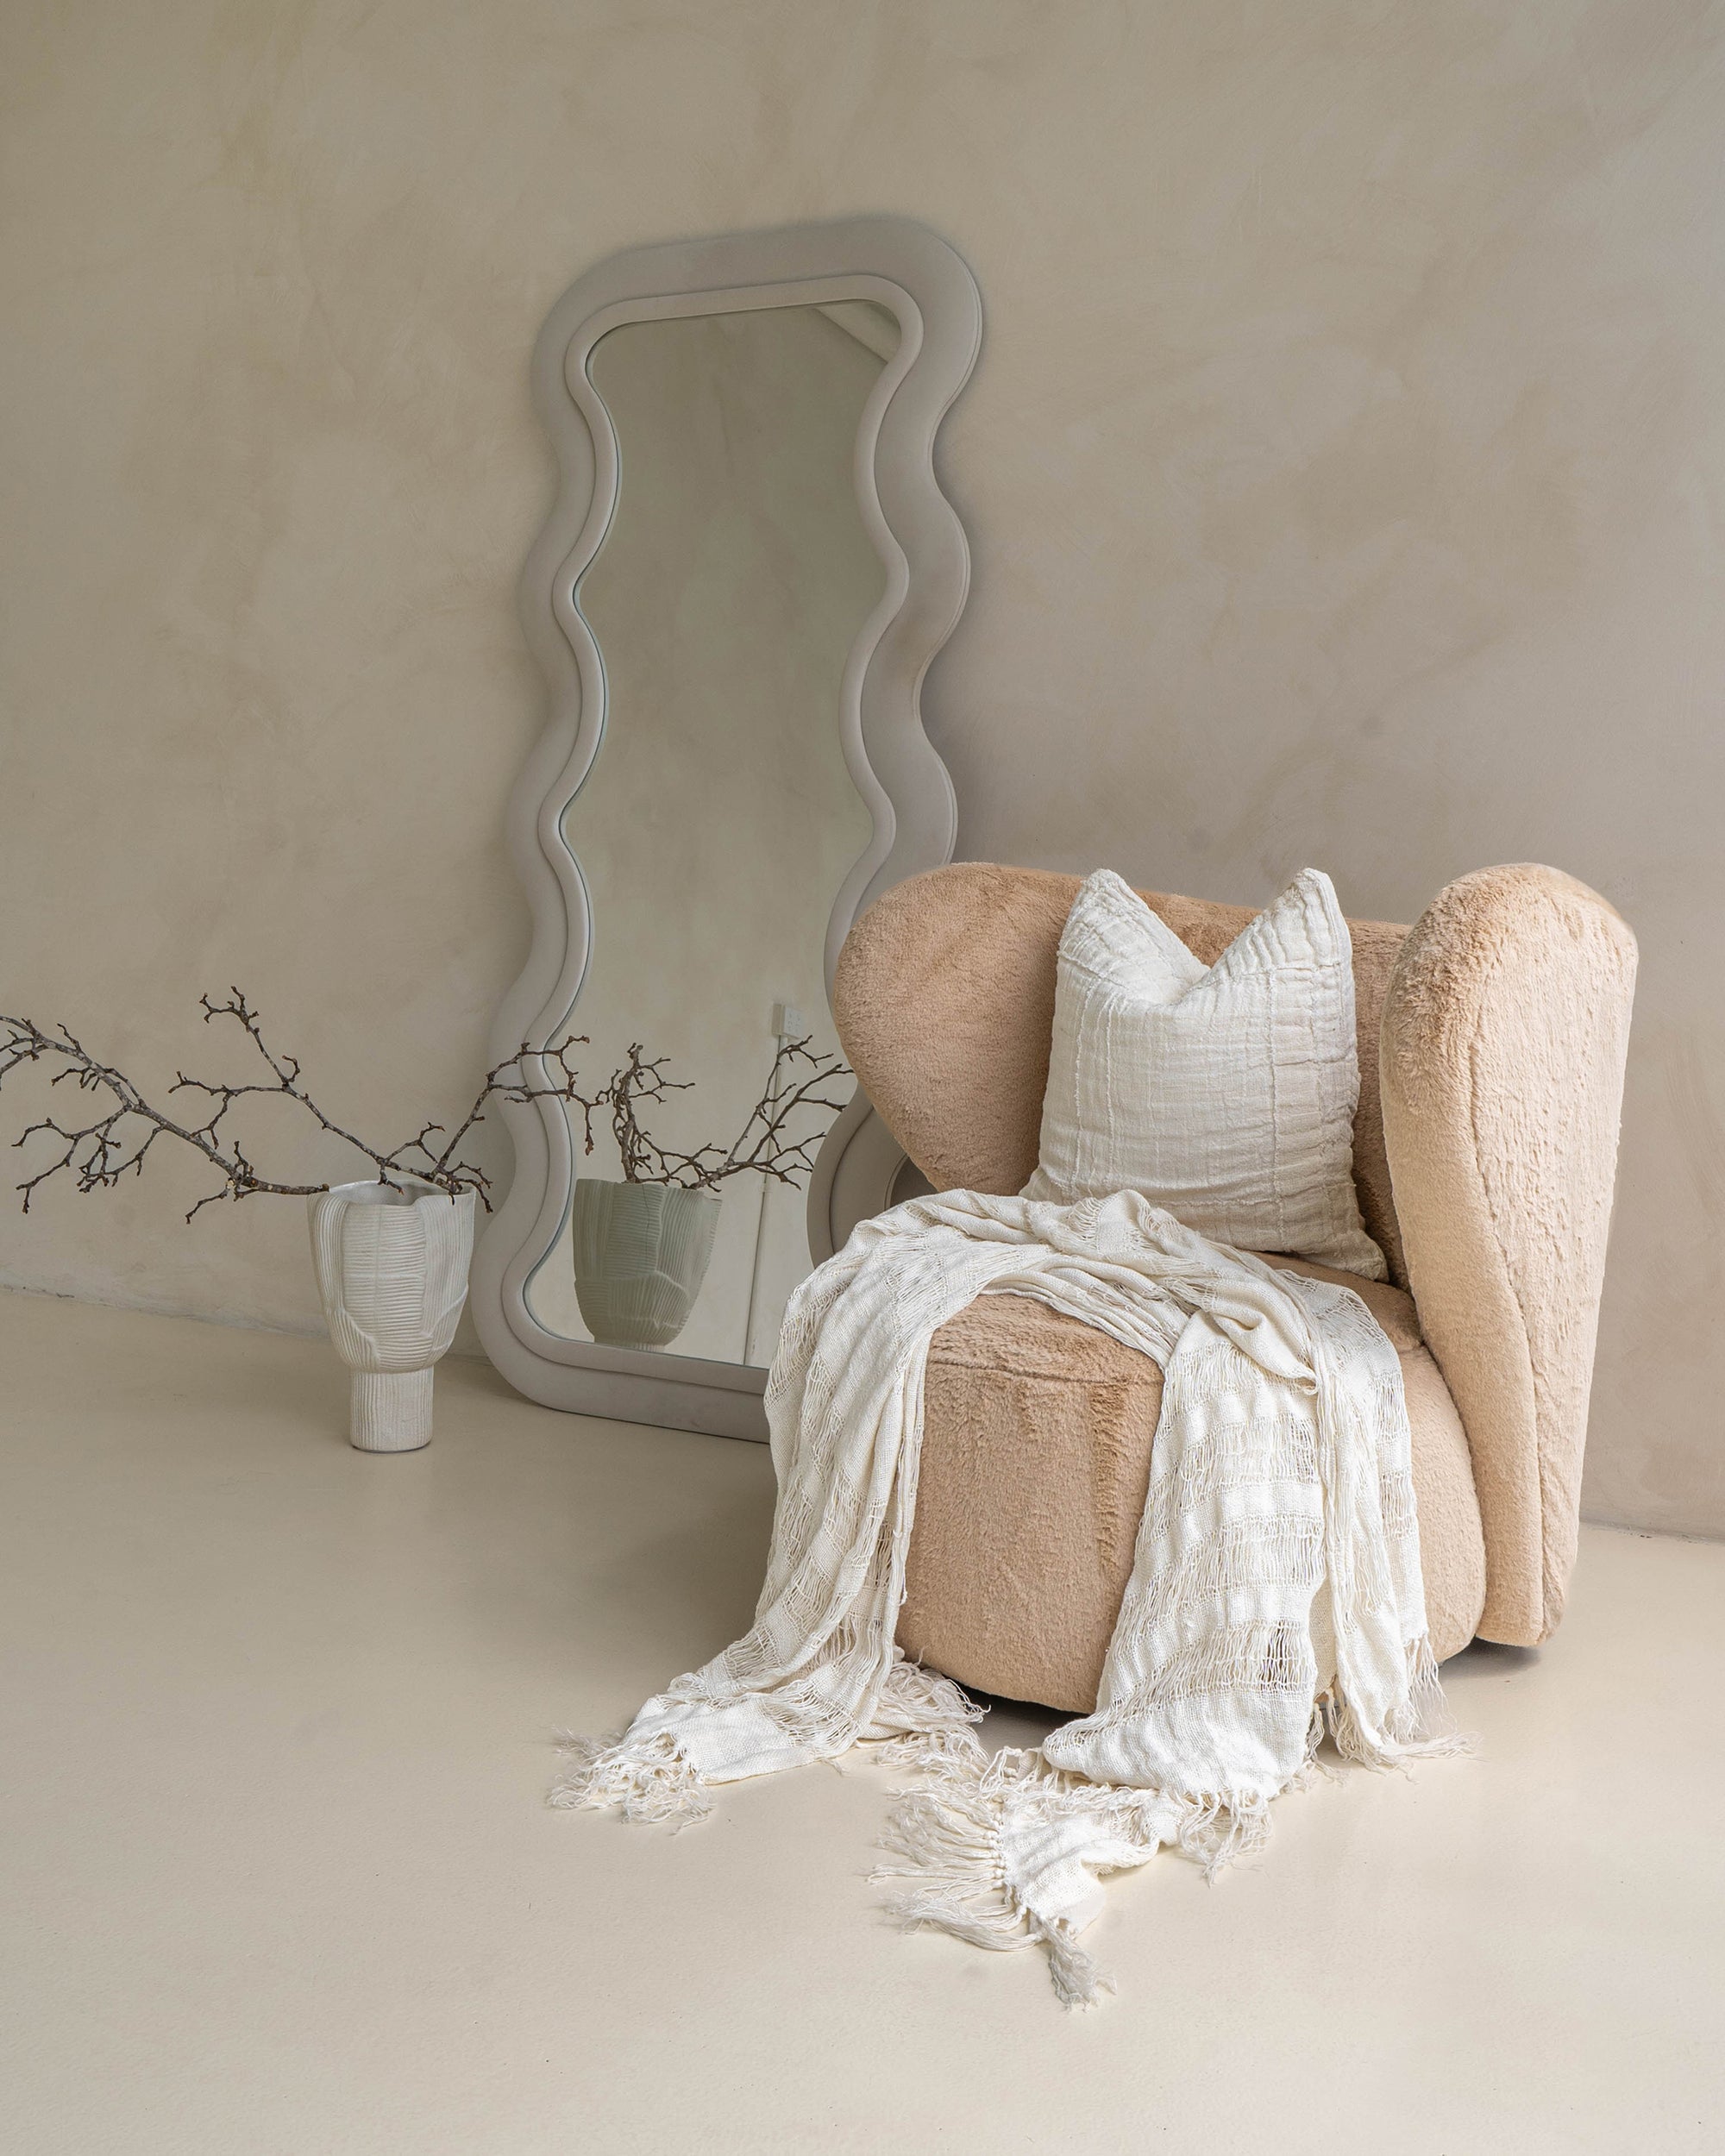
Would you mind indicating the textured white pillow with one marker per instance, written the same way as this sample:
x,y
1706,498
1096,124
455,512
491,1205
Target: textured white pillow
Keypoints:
x,y
1225,1093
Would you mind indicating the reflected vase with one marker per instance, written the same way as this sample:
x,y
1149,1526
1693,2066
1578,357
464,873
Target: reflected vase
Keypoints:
x,y
641,1251
392,1268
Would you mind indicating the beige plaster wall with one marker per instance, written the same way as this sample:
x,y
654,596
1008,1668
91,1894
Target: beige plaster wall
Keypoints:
x,y
1344,469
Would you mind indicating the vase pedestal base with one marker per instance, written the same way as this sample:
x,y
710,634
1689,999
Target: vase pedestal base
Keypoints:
x,y
391,1410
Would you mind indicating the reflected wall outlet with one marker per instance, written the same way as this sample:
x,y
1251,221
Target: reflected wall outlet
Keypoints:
x,y
787,1022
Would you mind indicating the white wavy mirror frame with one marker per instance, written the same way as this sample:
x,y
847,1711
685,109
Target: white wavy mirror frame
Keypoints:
x,y
902,267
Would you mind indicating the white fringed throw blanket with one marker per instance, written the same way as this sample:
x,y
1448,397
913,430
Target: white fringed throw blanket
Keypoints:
x,y
1275,1577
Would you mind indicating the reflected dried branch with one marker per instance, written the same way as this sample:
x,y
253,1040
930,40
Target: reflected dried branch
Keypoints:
x,y
763,1147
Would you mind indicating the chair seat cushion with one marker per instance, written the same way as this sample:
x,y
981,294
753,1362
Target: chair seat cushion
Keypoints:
x,y
1036,1435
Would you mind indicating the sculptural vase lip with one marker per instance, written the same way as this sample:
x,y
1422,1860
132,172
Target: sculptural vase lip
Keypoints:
x,y
413,1189
641,1254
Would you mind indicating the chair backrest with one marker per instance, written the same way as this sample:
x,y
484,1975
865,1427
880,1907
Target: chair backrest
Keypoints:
x,y
944,1000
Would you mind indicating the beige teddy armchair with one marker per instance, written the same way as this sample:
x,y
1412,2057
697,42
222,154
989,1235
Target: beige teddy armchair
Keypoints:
x,y
1492,1037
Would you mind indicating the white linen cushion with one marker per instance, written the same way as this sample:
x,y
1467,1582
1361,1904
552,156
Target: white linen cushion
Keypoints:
x,y
1226,1094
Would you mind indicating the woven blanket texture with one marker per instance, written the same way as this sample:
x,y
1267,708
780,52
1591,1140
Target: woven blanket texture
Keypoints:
x,y
1276,1591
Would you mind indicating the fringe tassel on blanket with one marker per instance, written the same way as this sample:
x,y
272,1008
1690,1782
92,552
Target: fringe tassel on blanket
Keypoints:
x,y
951,1834
1422,1727
648,1780
953,1830
919,1718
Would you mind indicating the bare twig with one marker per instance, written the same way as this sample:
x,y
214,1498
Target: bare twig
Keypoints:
x,y
116,1142
96,1154
763,1147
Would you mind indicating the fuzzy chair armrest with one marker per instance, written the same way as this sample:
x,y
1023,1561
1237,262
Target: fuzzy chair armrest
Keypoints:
x,y
1501,1053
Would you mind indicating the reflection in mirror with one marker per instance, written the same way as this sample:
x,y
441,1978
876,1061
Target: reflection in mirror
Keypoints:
x,y
719,819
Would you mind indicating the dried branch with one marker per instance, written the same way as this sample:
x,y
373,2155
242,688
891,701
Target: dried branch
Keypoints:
x,y
95,1154
763,1147
116,1142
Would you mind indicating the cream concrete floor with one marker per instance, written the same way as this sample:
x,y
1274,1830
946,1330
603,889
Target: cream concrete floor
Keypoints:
x,y
281,1876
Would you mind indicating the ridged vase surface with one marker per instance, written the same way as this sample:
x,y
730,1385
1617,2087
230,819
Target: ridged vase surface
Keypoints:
x,y
391,1269
641,1251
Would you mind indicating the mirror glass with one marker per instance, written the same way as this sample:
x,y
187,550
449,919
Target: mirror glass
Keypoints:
x,y
718,820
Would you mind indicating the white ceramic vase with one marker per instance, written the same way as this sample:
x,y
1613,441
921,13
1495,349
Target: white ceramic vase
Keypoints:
x,y
641,1254
392,1270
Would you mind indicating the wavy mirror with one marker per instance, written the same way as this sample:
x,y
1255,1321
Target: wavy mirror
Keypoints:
x,y
748,570
719,819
